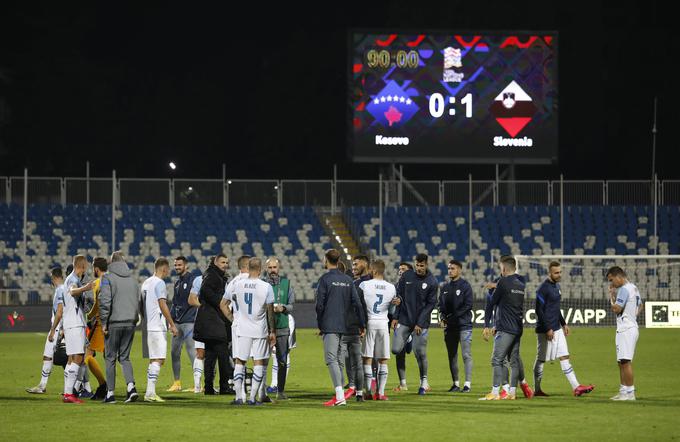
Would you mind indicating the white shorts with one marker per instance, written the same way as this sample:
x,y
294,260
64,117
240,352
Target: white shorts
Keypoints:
x,y
199,344
376,343
625,343
552,350
48,352
76,341
245,347
158,344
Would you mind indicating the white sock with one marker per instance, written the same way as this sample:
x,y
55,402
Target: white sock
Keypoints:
x,y
130,386
622,388
109,393
423,382
275,375
239,376
467,384
382,378
456,383
630,389
87,386
45,374
513,391
152,378
506,387
339,394
495,390
403,382
568,371
198,373
258,373
263,384
71,373
368,375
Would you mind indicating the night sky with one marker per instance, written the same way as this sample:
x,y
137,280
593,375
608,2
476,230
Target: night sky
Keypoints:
x,y
264,90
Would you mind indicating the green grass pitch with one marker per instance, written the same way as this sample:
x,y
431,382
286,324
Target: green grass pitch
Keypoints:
x,y
407,416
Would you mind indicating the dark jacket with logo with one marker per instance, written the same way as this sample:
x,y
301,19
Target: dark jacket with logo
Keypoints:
x,y
211,324
418,297
335,294
548,313
508,301
455,304
181,311
353,323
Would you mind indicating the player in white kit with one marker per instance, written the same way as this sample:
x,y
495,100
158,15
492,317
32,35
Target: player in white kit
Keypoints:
x,y
225,304
625,299
199,346
73,323
158,320
379,296
253,307
57,278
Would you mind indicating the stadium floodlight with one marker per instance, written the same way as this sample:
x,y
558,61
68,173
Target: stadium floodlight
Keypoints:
x,y
172,165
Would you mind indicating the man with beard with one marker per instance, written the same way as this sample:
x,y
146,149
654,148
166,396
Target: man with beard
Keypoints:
x,y
212,327
417,290
284,298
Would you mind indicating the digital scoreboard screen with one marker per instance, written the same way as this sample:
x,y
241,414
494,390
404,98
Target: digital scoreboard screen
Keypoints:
x,y
453,97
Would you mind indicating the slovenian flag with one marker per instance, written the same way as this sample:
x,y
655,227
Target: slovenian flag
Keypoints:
x,y
513,109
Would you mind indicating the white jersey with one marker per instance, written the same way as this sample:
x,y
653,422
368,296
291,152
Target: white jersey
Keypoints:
x,y
196,285
58,299
153,290
378,295
74,309
628,297
230,285
228,291
250,298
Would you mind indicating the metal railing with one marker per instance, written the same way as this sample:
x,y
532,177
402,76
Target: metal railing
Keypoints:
x,y
338,193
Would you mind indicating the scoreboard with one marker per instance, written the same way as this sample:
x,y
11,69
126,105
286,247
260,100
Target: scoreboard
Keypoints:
x,y
453,97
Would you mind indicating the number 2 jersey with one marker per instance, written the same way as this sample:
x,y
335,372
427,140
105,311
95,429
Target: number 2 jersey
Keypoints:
x,y
378,295
250,298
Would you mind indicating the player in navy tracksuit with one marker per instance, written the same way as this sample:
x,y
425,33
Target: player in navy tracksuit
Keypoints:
x,y
455,313
417,292
335,292
508,301
552,332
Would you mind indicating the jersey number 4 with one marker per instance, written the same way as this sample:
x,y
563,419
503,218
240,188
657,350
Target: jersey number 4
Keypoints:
x,y
377,303
248,299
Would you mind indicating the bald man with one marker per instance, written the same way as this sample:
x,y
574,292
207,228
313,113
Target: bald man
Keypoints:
x,y
284,298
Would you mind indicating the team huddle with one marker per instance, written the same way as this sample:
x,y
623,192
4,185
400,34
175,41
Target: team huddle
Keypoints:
x,y
229,322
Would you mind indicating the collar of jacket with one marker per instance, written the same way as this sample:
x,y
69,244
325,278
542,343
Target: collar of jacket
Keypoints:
x,y
212,268
427,274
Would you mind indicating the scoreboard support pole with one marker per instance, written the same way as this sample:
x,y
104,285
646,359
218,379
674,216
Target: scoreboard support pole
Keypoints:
x,y
470,222
380,215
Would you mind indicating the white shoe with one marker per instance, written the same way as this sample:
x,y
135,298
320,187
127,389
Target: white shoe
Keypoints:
x,y
624,397
36,390
618,396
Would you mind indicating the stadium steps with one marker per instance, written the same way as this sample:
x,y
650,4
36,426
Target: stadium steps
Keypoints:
x,y
339,233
